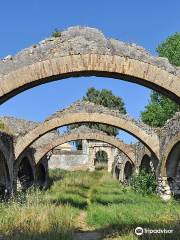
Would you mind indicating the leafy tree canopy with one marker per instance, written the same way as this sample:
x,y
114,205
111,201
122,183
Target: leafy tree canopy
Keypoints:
x,y
160,108
170,49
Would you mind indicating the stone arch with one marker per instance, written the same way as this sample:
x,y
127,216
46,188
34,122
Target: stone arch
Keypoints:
x,y
128,170
44,149
25,173
173,169
90,64
102,153
84,51
146,164
147,136
174,141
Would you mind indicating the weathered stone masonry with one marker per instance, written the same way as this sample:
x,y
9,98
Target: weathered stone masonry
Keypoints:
x,y
24,168
83,51
81,112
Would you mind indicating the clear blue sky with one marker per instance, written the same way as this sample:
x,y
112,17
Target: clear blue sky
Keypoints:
x,y
23,23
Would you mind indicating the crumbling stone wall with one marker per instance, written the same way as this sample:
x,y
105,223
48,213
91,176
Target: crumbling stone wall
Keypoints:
x,y
169,138
18,128
140,152
81,40
168,132
119,166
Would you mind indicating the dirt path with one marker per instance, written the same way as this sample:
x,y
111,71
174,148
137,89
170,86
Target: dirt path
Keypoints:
x,y
84,231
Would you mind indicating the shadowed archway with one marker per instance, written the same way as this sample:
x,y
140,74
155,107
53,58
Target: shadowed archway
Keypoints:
x,y
128,170
146,164
25,174
40,175
4,177
173,169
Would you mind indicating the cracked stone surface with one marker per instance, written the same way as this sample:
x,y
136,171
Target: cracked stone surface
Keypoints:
x,y
89,107
81,40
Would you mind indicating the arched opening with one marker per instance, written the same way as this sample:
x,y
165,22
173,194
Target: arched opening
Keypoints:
x,y
117,143
146,164
4,177
89,64
40,175
101,160
25,174
117,172
128,170
57,121
173,170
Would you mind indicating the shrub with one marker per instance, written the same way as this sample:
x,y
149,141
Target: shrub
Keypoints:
x,y
56,33
144,183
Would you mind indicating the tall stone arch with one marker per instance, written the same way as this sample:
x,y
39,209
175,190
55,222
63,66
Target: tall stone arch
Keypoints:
x,y
24,171
146,164
84,135
82,112
127,171
174,141
86,52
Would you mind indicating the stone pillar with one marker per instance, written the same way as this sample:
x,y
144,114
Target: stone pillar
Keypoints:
x,y
121,174
164,190
110,159
91,159
85,146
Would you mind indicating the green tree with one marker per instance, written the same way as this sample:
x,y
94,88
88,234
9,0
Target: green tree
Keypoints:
x,y
170,49
160,108
105,98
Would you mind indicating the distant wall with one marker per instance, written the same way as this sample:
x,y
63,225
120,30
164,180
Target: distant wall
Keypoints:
x,y
69,161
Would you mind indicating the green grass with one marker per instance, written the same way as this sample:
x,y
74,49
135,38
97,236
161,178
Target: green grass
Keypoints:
x,y
122,210
108,206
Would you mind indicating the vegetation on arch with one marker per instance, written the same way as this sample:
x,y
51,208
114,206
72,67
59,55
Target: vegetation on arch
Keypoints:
x,y
56,33
160,108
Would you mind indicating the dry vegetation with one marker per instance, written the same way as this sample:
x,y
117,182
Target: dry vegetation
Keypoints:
x,y
86,202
